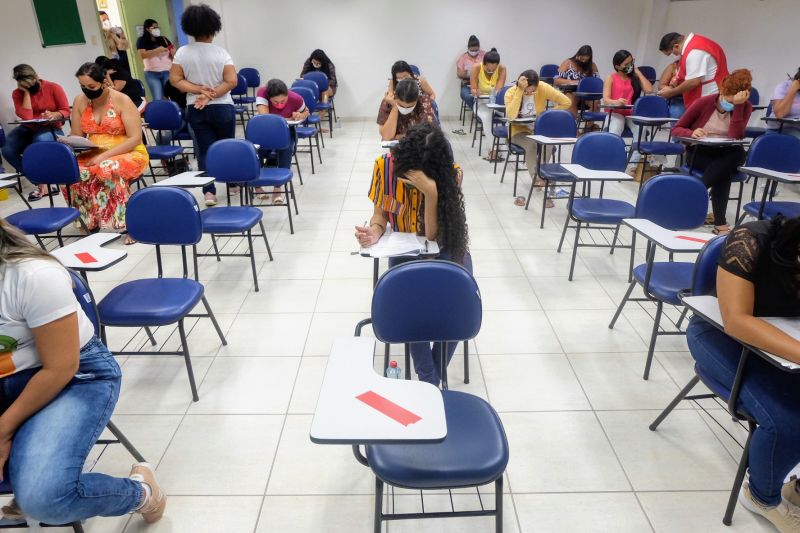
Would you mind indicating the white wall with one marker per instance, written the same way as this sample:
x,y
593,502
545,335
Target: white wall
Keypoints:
x,y
20,43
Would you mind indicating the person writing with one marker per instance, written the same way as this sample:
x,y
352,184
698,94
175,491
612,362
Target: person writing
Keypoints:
x,y
702,66
319,61
417,188
758,277
473,56
571,71
486,77
405,107
786,104
401,71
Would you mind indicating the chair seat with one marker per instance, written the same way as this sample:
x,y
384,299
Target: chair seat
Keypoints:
x,y
500,131
43,220
324,105
244,100
773,209
696,172
304,132
313,119
164,151
239,109
667,279
601,210
475,451
232,219
590,116
661,148
149,302
516,149
555,172
272,177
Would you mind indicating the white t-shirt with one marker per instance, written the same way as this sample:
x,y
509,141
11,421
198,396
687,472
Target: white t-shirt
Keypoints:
x,y
202,64
701,64
33,293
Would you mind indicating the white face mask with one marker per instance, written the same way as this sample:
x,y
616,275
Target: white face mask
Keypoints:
x,y
405,110
473,53
316,64
106,24
155,32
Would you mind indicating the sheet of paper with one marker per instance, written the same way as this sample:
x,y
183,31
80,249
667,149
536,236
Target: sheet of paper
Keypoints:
x,y
76,141
397,243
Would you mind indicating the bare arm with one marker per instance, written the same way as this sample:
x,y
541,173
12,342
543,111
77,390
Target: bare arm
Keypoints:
x,y
372,232
501,77
179,81
563,68
426,88
229,81
389,129
78,107
147,54
781,108
473,79
666,76
607,91
133,129
647,87
687,85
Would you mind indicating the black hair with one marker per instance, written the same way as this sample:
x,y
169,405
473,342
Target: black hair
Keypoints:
x,y
584,50
669,40
425,148
797,75
784,234
473,41
400,66
93,70
407,90
322,57
532,76
636,83
492,56
101,12
200,21
275,88
149,23
107,63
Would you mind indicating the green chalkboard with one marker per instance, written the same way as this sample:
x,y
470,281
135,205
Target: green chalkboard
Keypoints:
x,y
59,22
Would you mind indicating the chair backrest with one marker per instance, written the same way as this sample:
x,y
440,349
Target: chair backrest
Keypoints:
x,y
241,86
590,84
704,276
252,76
500,97
414,69
85,298
319,78
164,215
648,72
600,151
651,105
548,71
163,115
755,98
309,85
2,136
778,152
308,97
435,108
270,132
51,163
452,310
233,161
673,201
556,123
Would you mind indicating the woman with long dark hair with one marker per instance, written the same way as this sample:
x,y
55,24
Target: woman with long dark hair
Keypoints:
x,y
417,188
319,61
402,70
156,52
572,70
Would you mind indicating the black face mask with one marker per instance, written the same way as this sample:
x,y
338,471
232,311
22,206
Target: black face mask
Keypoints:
x,y
33,89
583,64
92,94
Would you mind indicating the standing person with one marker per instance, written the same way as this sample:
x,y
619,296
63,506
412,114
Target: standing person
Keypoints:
x,y
205,71
786,104
669,78
157,53
59,387
701,68
487,76
406,107
34,98
467,60
571,71
116,41
417,188
319,61
722,115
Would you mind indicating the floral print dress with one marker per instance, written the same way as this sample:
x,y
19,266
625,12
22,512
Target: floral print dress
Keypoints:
x,y
102,193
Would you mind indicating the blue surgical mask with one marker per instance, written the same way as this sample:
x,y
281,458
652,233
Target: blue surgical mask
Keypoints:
x,y
726,105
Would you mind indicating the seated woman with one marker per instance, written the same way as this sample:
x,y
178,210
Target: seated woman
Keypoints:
x,y
526,99
417,188
572,70
786,104
401,71
718,115
758,277
407,108
112,122
60,385
34,98
464,64
320,62
121,80
624,87
487,76
276,99
669,78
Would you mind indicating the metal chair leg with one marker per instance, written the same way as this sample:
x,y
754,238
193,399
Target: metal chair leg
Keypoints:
x,y
674,403
378,505
252,258
187,358
653,337
216,250
498,505
622,304
466,362
616,236
289,208
264,235
125,442
682,317
737,481
149,336
574,249
214,321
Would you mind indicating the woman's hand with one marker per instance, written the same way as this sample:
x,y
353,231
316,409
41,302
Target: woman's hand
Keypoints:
x,y
208,92
52,115
5,448
741,97
699,133
367,236
622,101
297,116
96,160
522,82
201,101
418,179
389,97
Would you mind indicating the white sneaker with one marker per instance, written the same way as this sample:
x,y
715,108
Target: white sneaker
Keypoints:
x,y
785,517
789,492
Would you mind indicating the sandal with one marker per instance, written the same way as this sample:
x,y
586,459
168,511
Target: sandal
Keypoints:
x,y
129,240
277,199
724,231
519,201
261,194
460,131
539,183
497,158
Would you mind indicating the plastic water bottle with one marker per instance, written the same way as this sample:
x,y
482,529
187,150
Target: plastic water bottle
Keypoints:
x,y
393,371
492,95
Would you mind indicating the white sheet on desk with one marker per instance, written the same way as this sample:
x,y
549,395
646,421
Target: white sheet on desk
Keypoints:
x,y
76,141
397,243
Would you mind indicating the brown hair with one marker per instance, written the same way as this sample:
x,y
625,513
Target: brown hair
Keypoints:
x,y
14,246
738,80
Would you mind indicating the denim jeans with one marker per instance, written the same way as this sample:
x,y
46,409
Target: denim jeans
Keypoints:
x,y
428,359
768,394
210,124
466,96
676,107
156,81
50,448
20,138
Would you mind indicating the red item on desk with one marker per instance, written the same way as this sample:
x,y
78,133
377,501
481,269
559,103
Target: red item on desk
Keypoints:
x,y
389,408
693,239
85,257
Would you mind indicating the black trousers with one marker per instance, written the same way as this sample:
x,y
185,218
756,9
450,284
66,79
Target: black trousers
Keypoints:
x,y
719,165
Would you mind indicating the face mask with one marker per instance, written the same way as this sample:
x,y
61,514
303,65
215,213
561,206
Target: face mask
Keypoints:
x,y
92,94
278,106
488,74
726,105
583,64
106,24
155,32
33,89
406,110
315,64
627,69
472,53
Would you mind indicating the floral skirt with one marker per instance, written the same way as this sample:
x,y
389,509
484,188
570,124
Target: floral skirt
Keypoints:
x,y
102,193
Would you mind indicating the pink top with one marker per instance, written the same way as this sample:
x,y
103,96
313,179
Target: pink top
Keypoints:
x,y
718,124
294,102
466,61
621,88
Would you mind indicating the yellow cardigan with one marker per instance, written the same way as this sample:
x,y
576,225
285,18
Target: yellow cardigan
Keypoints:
x,y
544,93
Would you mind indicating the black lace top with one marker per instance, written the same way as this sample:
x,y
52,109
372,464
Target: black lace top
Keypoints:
x,y
748,254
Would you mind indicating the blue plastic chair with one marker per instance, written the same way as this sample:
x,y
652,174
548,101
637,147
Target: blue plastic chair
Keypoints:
x,y
253,78
323,83
475,451
241,100
500,130
590,89
675,202
704,283
312,133
548,73
752,132
414,69
652,106
271,132
778,152
596,151
234,161
649,73
48,163
160,216
313,118
163,116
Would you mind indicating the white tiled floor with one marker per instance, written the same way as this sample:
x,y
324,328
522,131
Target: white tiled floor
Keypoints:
x,y
568,389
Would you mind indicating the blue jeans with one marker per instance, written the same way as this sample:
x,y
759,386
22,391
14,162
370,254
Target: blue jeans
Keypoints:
x,y
466,96
20,138
156,81
50,448
283,158
676,107
427,359
768,394
210,124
